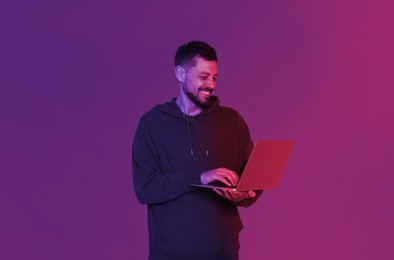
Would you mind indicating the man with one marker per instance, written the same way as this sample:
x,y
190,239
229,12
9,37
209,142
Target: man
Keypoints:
x,y
192,139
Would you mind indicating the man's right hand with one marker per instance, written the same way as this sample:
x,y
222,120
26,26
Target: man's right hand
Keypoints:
x,y
228,177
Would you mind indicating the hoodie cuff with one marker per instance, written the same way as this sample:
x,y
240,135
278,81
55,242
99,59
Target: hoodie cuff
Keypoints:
x,y
195,177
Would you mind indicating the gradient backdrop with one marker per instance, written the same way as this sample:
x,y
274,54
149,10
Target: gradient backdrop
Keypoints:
x,y
77,75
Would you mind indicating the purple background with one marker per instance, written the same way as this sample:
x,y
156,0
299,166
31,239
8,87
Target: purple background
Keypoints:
x,y
77,75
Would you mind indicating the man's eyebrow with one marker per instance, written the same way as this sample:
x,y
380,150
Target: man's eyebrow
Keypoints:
x,y
207,73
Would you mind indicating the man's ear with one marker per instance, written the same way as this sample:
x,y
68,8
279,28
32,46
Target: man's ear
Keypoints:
x,y
180,73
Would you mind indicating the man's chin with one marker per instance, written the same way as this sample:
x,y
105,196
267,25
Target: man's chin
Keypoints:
x,y
203,103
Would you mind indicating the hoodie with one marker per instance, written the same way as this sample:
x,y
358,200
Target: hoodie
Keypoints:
x,y
170,151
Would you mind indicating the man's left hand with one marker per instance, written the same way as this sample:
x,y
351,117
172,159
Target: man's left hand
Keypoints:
x,y
234,195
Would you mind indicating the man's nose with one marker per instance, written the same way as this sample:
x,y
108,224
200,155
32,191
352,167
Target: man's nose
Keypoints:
x,y
211,83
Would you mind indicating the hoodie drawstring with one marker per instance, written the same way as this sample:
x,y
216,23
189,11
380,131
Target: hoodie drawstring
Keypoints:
x,y
190,138
188,133
205,136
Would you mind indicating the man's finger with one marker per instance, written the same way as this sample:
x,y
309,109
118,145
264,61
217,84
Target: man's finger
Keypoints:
x,y
220,192
229,175
224,180
232,174
251,194
233,194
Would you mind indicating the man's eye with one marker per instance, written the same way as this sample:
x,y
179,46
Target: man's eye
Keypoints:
x,y
203,78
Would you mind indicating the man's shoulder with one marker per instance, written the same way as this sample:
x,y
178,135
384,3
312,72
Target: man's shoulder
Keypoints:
x,y
153,111
230,112
158,111
151,115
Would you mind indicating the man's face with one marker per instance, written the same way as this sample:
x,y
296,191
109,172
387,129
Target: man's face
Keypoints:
x,y
200,81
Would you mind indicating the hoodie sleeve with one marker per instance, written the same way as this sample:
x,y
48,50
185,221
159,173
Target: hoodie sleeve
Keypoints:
x,y
151,185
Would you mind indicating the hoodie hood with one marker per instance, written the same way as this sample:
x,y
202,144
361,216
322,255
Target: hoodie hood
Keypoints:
x,y
172,108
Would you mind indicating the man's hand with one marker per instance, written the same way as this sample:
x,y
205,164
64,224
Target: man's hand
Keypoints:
x,y
228,177
234,195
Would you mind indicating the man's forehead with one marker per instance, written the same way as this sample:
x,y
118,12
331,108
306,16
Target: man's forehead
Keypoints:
x,y
206,66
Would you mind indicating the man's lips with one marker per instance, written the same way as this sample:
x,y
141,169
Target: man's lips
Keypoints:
x,y
206,91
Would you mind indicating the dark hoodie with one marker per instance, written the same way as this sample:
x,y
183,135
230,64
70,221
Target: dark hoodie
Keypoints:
x,y
170,151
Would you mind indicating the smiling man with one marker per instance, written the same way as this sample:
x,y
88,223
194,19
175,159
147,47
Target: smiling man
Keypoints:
x,y
192,139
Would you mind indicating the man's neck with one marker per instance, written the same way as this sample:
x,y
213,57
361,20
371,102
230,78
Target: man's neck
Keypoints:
x,y
187,106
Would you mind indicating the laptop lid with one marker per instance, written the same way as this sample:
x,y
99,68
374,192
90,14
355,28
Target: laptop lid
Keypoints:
x,y
265,165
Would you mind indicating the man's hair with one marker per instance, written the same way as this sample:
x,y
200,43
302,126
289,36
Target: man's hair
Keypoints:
x,y
187,52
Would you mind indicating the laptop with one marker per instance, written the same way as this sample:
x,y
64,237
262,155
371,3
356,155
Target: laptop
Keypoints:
x,y
264,167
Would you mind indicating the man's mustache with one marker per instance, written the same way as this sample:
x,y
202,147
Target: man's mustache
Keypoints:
x,y
205,89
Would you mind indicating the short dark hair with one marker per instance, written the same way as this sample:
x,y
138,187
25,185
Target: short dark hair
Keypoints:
x,y
187,52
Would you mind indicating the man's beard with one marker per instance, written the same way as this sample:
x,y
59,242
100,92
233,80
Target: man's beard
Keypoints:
x,y
194,98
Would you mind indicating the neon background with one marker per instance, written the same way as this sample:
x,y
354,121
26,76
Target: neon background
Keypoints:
x,y
77,75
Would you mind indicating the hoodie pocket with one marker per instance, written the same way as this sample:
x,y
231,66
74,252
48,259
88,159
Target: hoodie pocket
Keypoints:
x,y
198,222
159,213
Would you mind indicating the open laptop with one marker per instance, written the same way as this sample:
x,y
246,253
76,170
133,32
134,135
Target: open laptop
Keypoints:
x,y
264,167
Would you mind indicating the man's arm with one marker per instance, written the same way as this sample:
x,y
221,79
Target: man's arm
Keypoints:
x,y
151,185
